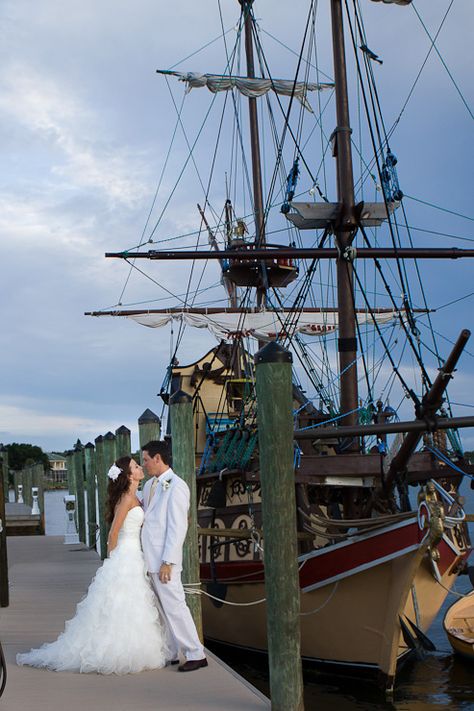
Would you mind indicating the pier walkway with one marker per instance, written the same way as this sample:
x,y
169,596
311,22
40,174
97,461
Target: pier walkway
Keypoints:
x,y
47,579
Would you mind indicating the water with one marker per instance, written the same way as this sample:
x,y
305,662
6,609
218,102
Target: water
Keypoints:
x,y
55,512
440,681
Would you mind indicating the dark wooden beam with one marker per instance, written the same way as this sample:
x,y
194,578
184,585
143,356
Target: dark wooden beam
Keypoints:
x,y
435,423
303,253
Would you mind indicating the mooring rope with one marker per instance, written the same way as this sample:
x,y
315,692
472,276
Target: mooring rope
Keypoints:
x,y
194,589
453,592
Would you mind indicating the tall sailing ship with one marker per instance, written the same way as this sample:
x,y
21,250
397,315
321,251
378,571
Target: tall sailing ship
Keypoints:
x,y
382,534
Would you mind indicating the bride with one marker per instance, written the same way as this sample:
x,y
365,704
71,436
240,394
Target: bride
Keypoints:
x,y
116,628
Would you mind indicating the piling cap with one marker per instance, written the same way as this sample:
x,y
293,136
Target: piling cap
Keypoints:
x,y
109,436
273,353
100,438
89,445
148,416
122,430
180,397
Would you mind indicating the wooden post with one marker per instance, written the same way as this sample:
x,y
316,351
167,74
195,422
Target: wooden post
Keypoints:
x,y
123,445
41,488
38,481
101,493
17,480
78,463
4,593
108,458
149,428
184,464
275,438
89,468
4,466
71,484
27,483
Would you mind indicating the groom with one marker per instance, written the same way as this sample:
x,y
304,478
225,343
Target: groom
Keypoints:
x,y
166,503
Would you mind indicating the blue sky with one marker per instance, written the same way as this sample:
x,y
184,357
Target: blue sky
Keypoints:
x,y
86,125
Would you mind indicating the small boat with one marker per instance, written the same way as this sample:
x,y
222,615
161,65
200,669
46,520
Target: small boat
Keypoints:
x,y
459,626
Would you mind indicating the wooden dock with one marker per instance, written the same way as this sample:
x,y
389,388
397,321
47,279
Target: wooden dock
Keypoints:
x,y
47,579
21,522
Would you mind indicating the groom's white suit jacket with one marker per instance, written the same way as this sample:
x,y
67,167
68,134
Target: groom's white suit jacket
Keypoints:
x,y
166,521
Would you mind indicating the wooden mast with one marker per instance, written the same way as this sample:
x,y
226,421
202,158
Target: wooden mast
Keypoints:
x,y
346,226
255,148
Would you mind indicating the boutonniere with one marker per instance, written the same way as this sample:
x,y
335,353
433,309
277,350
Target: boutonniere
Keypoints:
x,y
166,483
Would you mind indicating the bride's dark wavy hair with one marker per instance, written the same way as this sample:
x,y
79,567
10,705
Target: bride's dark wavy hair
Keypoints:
x,y
118,487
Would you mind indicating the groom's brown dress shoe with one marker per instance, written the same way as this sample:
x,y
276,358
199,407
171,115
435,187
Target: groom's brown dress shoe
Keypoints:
x,y
193,664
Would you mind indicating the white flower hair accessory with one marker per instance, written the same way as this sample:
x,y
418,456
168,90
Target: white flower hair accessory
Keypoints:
x,y
113,472
166,483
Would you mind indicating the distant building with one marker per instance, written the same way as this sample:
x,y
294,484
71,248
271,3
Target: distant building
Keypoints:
x,y
57,467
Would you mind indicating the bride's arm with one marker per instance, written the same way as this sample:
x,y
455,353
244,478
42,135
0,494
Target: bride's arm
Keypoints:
x,y
121,510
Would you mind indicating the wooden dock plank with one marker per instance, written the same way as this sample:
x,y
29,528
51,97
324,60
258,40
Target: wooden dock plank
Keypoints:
x,y
47,579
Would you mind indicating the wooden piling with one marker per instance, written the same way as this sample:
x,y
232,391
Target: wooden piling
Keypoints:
x,y
17,481
38,481
123,445
40,485
4,592
71,484
89,469
275,437
108,458
101,493
78,464
184,464
4,466
27,484
149,429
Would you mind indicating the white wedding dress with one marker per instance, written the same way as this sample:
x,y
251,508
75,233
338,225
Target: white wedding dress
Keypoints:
x,y
116,628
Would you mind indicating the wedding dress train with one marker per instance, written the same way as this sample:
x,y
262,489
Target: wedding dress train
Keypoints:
x,y
116,628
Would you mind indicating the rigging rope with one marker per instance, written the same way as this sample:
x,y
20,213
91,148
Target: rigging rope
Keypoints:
x,y
441,58
405,386
375,103
442,209
443,458
397,120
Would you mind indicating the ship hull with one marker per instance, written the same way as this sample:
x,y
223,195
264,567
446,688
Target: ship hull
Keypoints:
x,y
353,596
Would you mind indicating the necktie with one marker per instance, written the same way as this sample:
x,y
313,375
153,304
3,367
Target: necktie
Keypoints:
x,y
152,489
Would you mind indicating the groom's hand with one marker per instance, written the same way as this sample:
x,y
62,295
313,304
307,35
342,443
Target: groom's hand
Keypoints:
x,y
164,573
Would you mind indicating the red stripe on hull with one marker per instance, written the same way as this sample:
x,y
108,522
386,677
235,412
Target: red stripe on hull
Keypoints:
x,y
333,561
447,556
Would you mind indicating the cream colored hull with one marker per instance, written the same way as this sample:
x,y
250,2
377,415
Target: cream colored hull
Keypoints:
x,y
350,624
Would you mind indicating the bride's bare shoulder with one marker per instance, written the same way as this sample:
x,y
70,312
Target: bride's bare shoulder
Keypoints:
x,y
126,501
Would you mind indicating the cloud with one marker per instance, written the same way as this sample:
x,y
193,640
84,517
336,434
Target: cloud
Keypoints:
x,y
18,422
83,157
85,130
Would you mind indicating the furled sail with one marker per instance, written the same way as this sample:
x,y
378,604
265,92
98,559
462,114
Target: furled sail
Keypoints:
x,y
394,2
252,88
263,325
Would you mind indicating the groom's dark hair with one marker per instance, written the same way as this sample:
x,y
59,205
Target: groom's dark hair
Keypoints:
x,y
158,446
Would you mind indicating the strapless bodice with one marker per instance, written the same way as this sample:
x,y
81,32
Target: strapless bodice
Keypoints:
x,y
132,524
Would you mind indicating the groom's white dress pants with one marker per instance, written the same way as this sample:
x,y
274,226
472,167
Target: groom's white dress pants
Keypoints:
x,y
182,631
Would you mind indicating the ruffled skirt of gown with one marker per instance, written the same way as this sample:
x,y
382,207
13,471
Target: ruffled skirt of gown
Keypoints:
x,y
116,628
